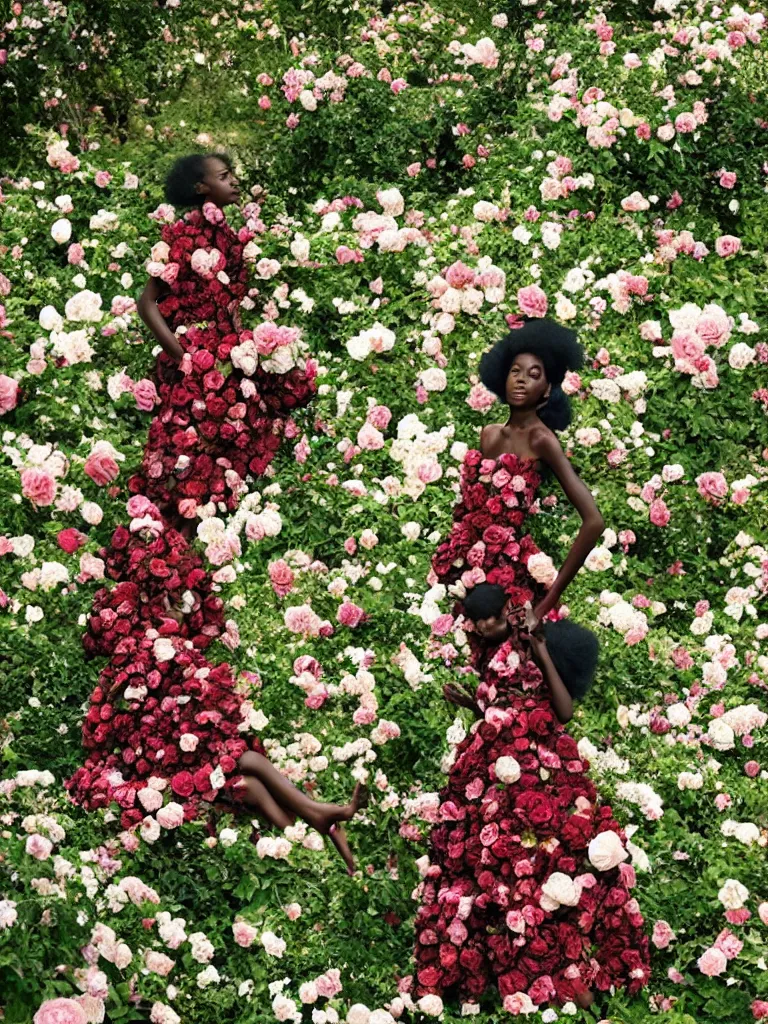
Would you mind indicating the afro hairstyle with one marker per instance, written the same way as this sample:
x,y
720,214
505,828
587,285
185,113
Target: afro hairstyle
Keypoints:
x,y
186,173
574,652
556,346
485,601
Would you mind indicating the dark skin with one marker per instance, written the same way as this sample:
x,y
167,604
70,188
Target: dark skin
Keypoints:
x,y
269,794
494,630
524,434
218,186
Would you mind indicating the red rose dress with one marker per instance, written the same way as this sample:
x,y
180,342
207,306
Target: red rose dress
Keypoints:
x,y
164,724
222,413
529,883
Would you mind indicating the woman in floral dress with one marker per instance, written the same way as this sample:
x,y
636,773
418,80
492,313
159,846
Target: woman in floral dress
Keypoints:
x,y
222,406
166,729
529,885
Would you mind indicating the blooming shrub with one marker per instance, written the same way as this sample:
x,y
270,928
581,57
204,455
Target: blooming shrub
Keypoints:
x,y
417,187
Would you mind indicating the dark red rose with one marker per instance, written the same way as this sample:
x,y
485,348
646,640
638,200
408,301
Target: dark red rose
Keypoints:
x,y
183,784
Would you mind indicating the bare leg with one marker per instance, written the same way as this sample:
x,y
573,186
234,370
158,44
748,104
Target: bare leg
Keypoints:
x,y
256,795
319,815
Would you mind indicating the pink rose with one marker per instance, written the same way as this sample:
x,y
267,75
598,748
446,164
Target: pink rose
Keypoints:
x,y
752,769
727,179
38,486
727,245
9,394
38,847
60,1011
659,513
281,577
712,486
662,935
759,1009
459,275
712,962
532,301
171,816
442,624
70,540
350,614
145,393
328,984
245,935
685,123
729,944
102,179
101,468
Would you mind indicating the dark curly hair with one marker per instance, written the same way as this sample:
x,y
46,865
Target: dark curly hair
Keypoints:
x,y
485,601
556,346
574,651
187,172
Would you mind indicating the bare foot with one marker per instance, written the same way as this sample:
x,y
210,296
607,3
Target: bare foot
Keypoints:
x,y
338,837
326,815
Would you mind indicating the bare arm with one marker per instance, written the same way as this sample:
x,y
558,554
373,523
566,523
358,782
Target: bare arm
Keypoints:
x,y
546,446
150,314
562,701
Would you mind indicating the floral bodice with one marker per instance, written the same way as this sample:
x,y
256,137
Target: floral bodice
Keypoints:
x,y
201,260
510,677
486,542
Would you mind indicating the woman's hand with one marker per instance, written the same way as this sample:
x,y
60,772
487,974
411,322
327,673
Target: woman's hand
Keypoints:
x,y
456,695
532,617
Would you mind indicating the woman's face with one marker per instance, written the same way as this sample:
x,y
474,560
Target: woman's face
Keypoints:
x,y
219,184
526,382
493,628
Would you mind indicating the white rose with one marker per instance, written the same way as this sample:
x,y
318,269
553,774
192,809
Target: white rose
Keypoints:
x,y
598,560
431,1005
85,305
740,356
163,649
733,895
50,320
542,569
391,201
507,770
411,531
308,100
560,889
485,211
300,248
678,715
61,230
606,851
358,1013
721,735
690,780
228,836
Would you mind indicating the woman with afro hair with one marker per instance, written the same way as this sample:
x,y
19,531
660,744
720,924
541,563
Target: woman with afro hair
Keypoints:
x,y
527,887
223,404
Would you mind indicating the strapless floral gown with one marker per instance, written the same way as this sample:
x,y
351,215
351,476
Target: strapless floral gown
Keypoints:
x,y
530,881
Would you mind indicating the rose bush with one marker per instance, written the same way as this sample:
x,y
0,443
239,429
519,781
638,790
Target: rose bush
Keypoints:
x,y
420,182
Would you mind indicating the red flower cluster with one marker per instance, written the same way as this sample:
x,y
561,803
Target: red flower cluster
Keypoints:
x,y
160,709
518,814
215,425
